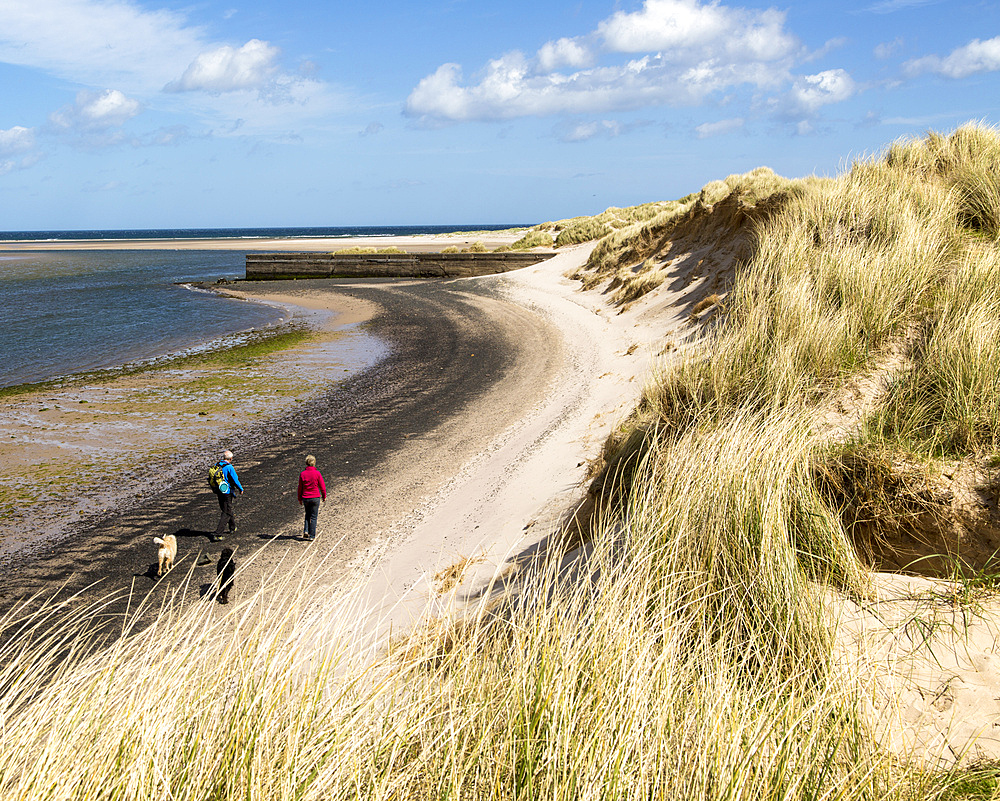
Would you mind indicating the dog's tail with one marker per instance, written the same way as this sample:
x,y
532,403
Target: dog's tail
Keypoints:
x,y
158,541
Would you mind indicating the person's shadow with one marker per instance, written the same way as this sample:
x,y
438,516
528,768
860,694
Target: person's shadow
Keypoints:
x,y
185,533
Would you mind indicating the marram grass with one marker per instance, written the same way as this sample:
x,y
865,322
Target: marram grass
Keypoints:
x,y
848,269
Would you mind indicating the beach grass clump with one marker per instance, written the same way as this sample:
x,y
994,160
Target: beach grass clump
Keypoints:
x,y
358,250
533,239
624,247
947,403
979,201
574,230
355,250
631,284
875,275
150,714
585,230
845,267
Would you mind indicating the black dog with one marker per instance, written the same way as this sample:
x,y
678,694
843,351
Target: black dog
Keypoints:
x,y
224,571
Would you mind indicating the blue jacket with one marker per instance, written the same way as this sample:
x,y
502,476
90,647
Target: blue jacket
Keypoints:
x,y
229,474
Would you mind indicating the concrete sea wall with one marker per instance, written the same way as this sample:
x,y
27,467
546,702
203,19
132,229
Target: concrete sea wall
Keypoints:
x,y
274,266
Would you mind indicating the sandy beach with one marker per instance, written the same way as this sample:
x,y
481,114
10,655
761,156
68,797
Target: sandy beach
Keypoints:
x,y
541,381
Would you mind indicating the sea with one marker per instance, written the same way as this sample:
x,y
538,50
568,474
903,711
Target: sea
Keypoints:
x,y
69,311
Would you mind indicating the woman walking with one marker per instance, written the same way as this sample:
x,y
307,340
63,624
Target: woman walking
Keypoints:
x,y
312,490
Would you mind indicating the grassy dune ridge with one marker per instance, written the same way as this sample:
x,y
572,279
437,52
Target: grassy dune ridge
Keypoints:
x,y
685,651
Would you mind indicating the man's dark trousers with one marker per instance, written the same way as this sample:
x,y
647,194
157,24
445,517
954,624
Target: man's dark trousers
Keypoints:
x,y
227,516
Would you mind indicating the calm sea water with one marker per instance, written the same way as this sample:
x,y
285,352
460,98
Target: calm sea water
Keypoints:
x,y
247,233
63,312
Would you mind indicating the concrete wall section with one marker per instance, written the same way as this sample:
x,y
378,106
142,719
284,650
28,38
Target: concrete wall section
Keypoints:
x,y
273,266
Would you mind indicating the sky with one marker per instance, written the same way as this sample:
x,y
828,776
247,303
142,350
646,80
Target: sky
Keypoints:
x,y
249,113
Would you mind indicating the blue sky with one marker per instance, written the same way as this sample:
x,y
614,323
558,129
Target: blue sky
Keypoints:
x,y
125,114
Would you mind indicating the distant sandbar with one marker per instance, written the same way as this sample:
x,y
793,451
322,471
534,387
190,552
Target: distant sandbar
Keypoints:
x,y
413,244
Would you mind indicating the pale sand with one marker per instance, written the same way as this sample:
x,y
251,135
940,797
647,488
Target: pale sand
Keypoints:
x,y
452,496
515,493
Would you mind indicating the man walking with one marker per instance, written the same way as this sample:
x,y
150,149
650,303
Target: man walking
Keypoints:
x,y
226,487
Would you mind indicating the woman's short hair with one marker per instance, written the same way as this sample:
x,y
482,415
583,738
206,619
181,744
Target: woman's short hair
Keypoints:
x,y
311,460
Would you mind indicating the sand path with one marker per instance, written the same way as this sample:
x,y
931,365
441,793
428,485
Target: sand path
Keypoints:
x,y
499,475
518,490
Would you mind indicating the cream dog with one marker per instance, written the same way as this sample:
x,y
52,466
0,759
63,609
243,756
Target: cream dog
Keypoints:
x,y
166,554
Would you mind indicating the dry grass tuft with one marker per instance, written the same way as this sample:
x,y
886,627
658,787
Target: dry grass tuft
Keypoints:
x,y
725,214
706,303
533,239
453,575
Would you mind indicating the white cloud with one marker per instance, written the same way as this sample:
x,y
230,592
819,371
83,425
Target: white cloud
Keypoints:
x,y
810,92
98,42
708,129
564,53
583,131
96,112
976,56
886,49
509,89
16,140
102,43
681,53
17,149
889,6
229,69
707,29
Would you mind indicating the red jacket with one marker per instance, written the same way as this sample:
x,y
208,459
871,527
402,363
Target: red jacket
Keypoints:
x,y
311,484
